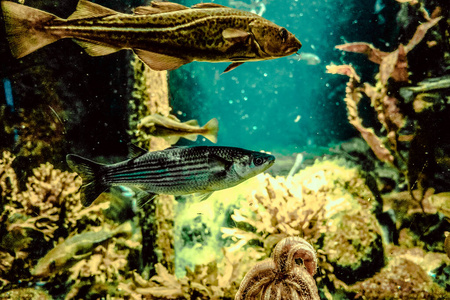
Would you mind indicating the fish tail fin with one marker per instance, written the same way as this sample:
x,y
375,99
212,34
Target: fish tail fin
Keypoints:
x,y
212,128
25,29
88,170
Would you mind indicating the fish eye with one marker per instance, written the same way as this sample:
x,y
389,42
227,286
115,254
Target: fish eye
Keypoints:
x,y
257,161
283,34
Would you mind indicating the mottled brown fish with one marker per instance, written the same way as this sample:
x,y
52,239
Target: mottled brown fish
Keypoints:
x,y
172,129
164,35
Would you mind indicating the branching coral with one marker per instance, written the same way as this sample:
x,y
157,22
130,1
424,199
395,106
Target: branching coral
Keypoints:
x,y
108,265
310,204
35,219
51,195
216,280
49,204
8,180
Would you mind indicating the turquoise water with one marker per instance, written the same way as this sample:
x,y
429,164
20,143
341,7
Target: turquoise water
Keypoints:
x,y
282,105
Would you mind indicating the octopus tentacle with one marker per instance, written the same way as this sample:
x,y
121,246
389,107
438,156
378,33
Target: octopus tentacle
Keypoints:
x,y
280,277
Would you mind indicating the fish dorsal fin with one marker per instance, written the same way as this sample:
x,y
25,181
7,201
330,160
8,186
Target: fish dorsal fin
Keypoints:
x,y
135,151
160,62
96,49
208,5
87,9
233,66
192,123
159,7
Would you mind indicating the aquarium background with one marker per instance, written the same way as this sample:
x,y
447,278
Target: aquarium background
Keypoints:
x,y
361,178
286,105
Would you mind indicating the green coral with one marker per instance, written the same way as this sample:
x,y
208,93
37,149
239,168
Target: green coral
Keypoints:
x,y
353,245
401,279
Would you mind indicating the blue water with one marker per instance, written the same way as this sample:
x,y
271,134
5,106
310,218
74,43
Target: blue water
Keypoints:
x,y
281,105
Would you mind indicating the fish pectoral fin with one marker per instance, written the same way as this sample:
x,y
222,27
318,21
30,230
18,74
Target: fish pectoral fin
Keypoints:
x,y
87,9
222,162
192,123
233,66
143,197
199,197
208,5
158,7
96,49
236,35
160,62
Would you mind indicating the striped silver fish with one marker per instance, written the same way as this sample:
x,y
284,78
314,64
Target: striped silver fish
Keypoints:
x,y
173,171
164,35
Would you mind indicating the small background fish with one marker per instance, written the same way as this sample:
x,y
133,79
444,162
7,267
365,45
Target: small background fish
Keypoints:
x,y
172,129
308,58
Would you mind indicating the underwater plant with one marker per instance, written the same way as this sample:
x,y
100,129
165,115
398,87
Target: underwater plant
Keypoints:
x,y
396,114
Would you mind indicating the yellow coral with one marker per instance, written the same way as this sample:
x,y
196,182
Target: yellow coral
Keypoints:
x,y
8,180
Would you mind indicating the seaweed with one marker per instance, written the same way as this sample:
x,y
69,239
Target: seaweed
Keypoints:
x,y
392,111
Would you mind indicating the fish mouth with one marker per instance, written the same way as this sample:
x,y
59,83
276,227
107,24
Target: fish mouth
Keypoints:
x,y
270,160
292,50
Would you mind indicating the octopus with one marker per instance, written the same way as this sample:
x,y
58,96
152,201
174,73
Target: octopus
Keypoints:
x,y
282,276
